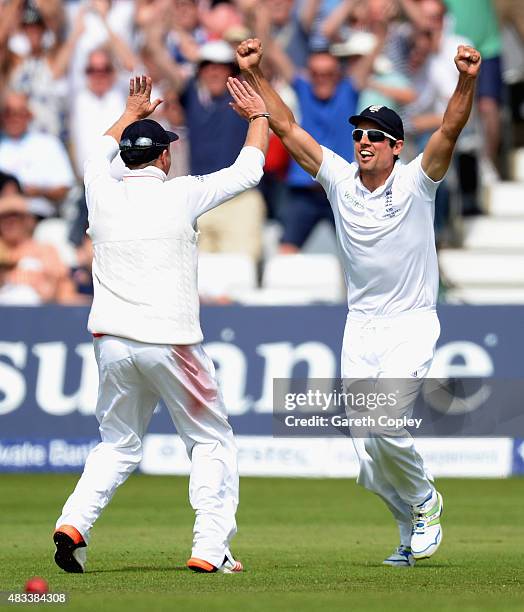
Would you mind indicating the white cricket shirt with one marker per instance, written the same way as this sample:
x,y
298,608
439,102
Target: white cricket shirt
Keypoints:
x,y
386,237
145,244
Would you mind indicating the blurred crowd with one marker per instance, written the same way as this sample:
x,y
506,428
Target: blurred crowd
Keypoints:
x,y
64,70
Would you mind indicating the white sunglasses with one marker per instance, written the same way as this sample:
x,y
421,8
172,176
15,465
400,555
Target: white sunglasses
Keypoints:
x,y
373,135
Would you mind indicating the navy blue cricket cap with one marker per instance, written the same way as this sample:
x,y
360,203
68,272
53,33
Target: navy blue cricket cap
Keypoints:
x,y
383,116
143,141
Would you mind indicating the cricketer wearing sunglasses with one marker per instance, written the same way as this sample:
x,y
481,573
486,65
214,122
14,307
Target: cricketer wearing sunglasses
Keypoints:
x,y
383,213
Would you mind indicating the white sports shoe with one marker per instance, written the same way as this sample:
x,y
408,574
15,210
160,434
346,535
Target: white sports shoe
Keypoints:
x,y
427,531
230,566
401,557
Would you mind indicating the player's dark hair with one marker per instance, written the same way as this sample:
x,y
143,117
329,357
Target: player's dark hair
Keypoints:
x,y
134,160
392,143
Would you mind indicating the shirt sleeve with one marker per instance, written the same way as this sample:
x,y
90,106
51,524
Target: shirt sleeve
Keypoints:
x,y
419,181
210,190
333,169
98,163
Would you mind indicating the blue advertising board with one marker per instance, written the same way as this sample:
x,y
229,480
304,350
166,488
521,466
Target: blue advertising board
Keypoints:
x,y
48,377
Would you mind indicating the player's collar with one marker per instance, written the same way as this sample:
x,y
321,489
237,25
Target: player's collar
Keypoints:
x,y
148,172
379,190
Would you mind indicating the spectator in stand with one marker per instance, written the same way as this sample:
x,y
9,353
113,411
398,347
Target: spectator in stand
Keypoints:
x,y
10,13
30,273
319,11
106,24
9,185
373,74
350,16
219,17
39,161
511,13
477,20
39,73
95,106
281,22
421,118
473,21
376,17
170,114
175,26
324,94
216,135
372,41
431,16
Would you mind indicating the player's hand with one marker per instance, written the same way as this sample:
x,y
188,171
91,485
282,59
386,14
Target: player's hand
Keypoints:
x,y
246,101
468,60
249,53
139,100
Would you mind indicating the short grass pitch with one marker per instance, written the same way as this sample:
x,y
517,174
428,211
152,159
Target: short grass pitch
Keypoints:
x,y
306,545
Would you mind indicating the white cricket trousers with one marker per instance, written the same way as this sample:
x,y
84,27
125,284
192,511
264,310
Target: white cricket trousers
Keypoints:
x,y
400,348
133,378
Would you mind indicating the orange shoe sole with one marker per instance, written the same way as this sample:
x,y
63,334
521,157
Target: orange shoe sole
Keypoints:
x,y
201,566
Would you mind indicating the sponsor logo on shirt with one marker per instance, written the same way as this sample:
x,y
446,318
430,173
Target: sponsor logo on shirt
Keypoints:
x,y
353,201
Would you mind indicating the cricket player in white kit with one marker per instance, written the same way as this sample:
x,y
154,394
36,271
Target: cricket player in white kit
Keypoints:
x,y
383,214
145,319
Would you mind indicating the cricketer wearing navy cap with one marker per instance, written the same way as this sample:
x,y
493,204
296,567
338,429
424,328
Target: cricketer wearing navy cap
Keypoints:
x,y
392,130
384,117
146,324
383,213
143,141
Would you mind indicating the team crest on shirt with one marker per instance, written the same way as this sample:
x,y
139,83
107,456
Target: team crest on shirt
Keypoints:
x,y
390,211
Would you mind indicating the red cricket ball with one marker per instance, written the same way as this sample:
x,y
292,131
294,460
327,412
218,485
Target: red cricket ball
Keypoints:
x,y
36,585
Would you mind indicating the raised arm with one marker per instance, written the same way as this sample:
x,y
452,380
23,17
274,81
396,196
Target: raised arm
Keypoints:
x,y
303,147
118,45
336,18
250,106
166,65
308,14
138,105
9,19
213,189
438,151
60,59
411,10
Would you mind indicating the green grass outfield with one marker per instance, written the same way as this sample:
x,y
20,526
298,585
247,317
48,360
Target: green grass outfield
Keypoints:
x,y
306,545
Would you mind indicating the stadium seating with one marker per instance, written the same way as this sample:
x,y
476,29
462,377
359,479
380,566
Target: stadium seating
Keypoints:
x,y
489,269
225,275
494,233
305,277
517,165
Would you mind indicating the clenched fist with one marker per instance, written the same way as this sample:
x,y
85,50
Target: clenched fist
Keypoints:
x,y
249,53
468,60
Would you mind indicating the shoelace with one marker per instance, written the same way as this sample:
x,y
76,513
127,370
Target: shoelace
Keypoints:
x,y
419,522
